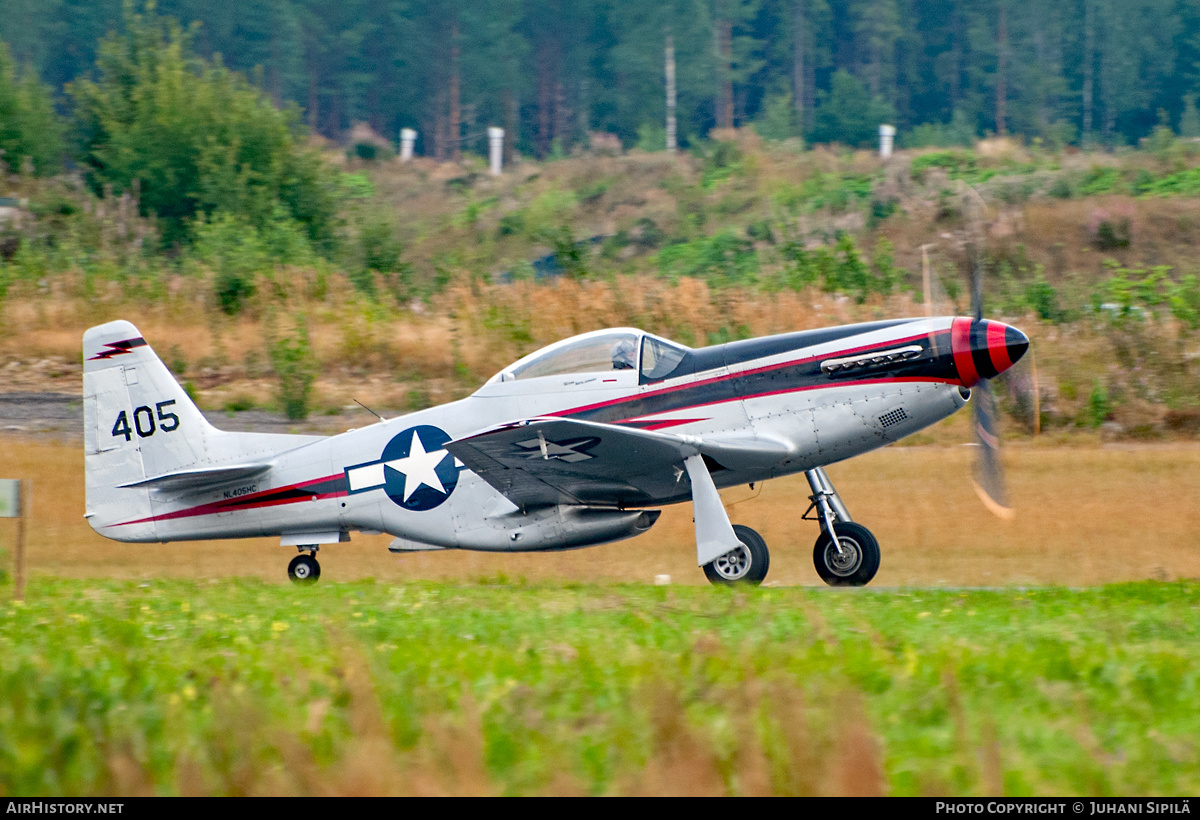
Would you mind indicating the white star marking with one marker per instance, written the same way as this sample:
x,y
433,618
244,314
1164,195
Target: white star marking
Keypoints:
x,y
548,449
419,467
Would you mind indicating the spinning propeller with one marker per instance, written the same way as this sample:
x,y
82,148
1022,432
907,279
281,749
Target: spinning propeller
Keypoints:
x,y
982,350
989,349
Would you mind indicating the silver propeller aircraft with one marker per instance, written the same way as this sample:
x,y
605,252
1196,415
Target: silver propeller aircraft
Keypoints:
x,y
572,446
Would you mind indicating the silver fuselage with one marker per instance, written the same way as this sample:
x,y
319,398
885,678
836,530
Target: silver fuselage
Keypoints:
x,y
828,395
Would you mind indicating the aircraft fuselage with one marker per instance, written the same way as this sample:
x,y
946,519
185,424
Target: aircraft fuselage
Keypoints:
x,y
818,396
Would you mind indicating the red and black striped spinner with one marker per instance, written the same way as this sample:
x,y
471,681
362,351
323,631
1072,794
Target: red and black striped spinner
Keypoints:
x,y
983,349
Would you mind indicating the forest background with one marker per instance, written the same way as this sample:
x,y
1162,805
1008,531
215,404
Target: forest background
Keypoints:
x,y
229,176
553,71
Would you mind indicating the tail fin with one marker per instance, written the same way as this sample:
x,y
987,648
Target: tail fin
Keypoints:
x,y
138,424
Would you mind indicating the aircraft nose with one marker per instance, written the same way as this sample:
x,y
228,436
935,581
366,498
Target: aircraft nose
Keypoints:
x,y
983,349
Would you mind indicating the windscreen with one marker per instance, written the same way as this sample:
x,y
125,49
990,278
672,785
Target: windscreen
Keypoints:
x,y
659,358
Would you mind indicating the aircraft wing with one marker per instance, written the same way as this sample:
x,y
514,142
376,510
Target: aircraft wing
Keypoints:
x,y
543,461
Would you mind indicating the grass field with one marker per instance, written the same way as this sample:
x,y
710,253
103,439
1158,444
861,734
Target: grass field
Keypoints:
x,y
241,687
1056,654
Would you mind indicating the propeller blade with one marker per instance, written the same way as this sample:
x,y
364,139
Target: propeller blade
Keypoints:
x,y
926,282
989,472
927,287
976,284
1037,395
1003,346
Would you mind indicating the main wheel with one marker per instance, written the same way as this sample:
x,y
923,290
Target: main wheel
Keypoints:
x,y
858,561
304,569
748,564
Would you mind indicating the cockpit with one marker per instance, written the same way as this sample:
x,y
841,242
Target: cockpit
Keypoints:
x,y
602,351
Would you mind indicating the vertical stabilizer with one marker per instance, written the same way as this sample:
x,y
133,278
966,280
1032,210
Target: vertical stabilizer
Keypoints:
x,y
138,424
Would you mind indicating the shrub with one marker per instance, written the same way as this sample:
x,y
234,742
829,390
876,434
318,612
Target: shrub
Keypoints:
x,y
1099,181
570,256
233,289
721,160
511,224
1043,298
760,231
840,269
1098,406
881,209
956,162
1060,189
1111,230
648,234
1112,235
369,152
958,132
722,259
377,249
1184,299
231,248
296,369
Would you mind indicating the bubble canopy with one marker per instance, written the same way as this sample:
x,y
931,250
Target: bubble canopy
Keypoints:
x,y
602,351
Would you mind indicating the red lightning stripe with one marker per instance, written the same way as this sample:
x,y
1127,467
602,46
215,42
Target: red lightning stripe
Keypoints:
x,y
304,491
118,348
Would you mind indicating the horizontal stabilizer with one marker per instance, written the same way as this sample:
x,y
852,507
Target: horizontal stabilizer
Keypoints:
x,y
199,477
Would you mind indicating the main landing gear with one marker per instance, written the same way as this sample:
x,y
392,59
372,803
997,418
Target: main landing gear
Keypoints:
x,y
304,569
747,564
846,553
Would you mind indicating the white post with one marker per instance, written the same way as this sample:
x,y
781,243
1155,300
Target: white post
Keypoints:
x,y
14,503
407,137
495,149
887,133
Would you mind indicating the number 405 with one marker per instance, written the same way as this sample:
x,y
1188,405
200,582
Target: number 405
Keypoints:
x,y
144,421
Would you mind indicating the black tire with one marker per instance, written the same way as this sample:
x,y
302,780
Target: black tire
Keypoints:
x,y
304,569
861,560
747,564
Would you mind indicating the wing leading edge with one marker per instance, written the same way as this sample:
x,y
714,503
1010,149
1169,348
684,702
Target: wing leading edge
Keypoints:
x,y
544,461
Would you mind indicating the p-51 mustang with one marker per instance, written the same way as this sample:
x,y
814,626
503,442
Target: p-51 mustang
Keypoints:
x,y
594,433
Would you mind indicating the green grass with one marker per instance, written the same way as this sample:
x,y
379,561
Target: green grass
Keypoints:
x,y
512,688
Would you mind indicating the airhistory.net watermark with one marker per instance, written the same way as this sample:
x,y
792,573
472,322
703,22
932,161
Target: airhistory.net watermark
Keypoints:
x,y
60,807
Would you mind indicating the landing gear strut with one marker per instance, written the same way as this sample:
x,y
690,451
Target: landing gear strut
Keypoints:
x,y
846,553
304,569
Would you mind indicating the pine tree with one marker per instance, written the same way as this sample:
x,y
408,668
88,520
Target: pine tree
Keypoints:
x,y
29,127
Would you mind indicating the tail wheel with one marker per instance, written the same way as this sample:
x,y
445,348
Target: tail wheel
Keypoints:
x,y
747,564
304,569
852,566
